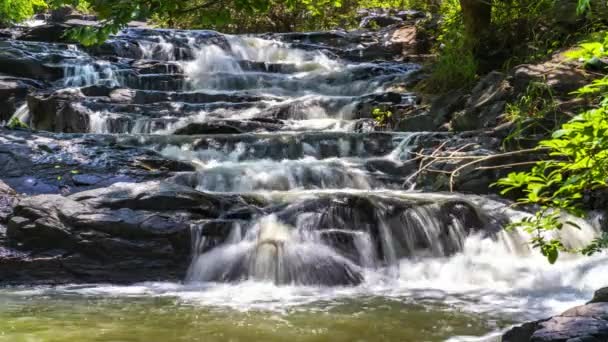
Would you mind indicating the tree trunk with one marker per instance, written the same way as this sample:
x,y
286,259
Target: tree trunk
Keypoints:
x,y
477,16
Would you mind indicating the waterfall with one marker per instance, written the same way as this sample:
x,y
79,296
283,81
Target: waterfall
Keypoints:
x,y
431,241
288,128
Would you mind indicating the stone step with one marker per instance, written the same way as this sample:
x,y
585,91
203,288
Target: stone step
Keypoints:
x,y
285,145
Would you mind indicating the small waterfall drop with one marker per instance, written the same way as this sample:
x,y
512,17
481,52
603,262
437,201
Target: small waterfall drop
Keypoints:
x,y
22,114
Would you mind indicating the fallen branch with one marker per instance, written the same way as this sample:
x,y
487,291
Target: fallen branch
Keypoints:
x,y
490,157
428,160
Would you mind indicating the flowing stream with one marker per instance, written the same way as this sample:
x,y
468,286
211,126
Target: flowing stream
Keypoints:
x,y
348,254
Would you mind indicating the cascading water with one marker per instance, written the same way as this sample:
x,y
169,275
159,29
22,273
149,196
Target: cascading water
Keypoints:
x,y
259,118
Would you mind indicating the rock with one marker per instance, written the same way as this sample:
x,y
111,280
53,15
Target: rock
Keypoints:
x,y
562,76
521,333
60,14
26,61
409,39
562,328
375,21
13,92
110,234
600,296
565,13
485,105
444,105
59,111
422,122
228,127
410,14
8,200
50,33
583,323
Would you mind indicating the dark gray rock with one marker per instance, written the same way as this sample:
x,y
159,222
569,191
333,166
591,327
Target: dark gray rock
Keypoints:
x,y
376,21
561,328
422,122
59,111
600,296
485,105
13,91
583,323
8,200
50,33
229,127
108,234
443,106
25,61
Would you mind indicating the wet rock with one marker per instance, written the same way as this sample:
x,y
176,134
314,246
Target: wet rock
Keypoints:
x,y
156,67
521,333
13,92
106,233
343,241
164,164
562,328
13,160
228,127
25,61
35,163
8,200
583,323
59,111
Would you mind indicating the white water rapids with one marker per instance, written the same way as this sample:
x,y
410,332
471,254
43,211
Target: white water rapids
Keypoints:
x,y
319,152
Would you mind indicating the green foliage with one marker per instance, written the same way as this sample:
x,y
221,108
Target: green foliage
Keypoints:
x,y
235,16
15,123
534,111
14,11
590,52
383,118
577,166
456,66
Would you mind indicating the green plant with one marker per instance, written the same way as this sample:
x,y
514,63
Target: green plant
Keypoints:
x,y
15,123
577,165
383,118
13,11
535,108
456,66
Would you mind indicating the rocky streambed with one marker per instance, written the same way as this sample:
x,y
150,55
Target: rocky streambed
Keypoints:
x,y
193,157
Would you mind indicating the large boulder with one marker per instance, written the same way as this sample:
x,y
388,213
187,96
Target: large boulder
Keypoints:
x,y
37,163
123,233
59,111
557,77
587,322
20,60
